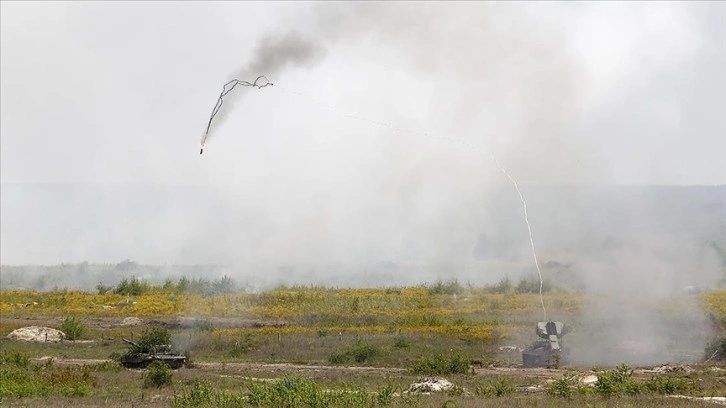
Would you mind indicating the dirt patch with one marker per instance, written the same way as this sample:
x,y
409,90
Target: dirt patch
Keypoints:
x,y
131,321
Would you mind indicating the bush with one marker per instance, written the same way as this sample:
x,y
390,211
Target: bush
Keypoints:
x,y
132,287
16,358
451,287
499,388
668,385
716,349
157,375
200,392
531,285
103,289
154,340
503,286
439,364
72,327
401,343
617,381
562,388
362,352
385,394
338,357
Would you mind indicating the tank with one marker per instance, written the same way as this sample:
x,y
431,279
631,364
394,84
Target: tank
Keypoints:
x,y
549,351
139,358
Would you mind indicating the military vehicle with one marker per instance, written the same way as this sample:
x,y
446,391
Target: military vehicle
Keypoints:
x,y
139,357
548,352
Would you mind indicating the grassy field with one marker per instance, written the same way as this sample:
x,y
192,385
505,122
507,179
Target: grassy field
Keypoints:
x,y
318,346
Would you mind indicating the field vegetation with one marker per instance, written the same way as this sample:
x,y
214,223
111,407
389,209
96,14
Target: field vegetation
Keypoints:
x,y
314,346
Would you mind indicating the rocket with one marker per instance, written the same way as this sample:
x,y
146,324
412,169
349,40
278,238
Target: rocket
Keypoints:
x,y
201,150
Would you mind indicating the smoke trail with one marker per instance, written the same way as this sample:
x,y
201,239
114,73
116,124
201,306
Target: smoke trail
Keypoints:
x,y
529,230
220,101
454,141
273,54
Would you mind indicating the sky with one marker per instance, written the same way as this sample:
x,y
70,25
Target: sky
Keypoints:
x,y
120,92
375,143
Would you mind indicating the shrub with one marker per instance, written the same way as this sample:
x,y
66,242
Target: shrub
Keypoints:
x,y
562,388
617,381
498,388
401,343
440,364
362,352
531,285
16,358
503,286
154,340
72,327
157,375
199,392
668,385
385,394
132,287
102,289
451,287
204,325
338,357
716,349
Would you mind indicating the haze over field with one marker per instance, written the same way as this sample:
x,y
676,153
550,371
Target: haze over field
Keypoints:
x,y
367,162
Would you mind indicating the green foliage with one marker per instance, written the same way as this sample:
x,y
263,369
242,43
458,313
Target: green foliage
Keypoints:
x,y
363,352
401,342
106,366
617,381
19,378
154,340
503,286
451,287
668,385
157,375
205,287
16,358
72,327
716,349
200,392
338,357
563,387
204,325
102,289
240,347
385,394
132,287
359,353
531,284
500,387
440,364
297,391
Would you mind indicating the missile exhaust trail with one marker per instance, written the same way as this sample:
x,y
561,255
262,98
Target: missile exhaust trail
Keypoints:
x,y
228,87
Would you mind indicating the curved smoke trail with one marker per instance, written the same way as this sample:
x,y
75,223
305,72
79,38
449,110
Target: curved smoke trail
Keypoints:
x,y
228,87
